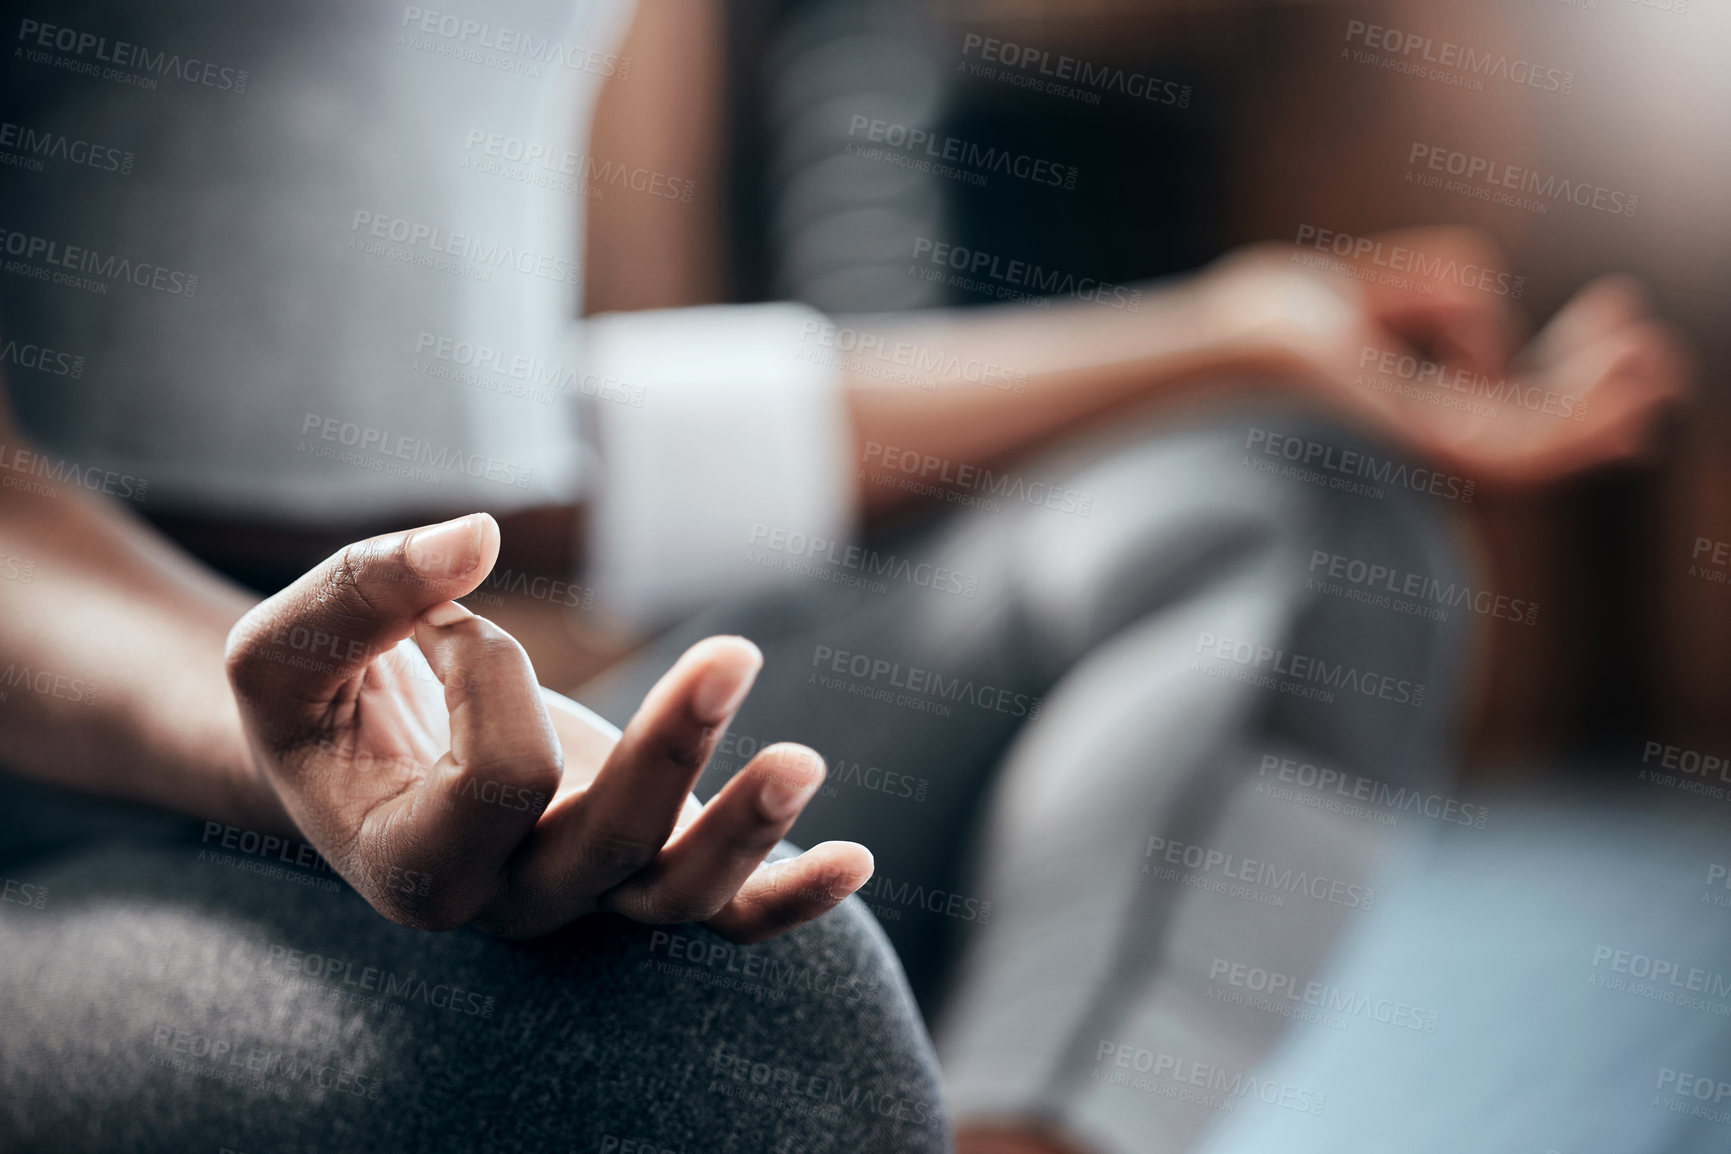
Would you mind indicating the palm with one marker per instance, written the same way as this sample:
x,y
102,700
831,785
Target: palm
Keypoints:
x,y
401,726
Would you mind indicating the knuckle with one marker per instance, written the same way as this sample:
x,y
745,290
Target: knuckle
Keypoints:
x,y
492,635
753,841
524,782
346,580
489,637
242,650
685,748
679,907
609,854
499,648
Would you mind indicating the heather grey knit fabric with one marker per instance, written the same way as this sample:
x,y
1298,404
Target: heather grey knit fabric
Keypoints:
x,y
174,995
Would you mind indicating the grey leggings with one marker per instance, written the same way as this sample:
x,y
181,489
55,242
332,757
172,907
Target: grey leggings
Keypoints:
x,y
167,993
1012,754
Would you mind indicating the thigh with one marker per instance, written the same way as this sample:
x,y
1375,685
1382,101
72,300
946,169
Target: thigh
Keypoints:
x,y
172,998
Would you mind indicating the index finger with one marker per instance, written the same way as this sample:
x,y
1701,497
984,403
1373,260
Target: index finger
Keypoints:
x,y
624,818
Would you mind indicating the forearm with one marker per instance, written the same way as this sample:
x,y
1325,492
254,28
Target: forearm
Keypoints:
x,y
979,386
112,660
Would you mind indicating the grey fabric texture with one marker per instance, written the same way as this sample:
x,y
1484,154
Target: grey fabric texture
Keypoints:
x,y
173,996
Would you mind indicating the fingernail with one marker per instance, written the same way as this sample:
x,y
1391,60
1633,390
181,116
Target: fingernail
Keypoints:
x,y
784,794
839,884
447,613
850,884
447,550
722,688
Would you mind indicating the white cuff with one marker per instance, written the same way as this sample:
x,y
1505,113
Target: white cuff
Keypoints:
x,y
718,424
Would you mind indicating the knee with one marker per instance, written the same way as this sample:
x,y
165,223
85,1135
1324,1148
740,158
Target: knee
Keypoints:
x,y
1170,512
813,1033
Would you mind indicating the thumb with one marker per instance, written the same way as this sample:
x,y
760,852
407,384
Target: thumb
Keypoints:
x,y
297,649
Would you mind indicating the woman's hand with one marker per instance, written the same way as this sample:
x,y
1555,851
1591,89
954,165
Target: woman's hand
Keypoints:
x,y
409,741
1431,361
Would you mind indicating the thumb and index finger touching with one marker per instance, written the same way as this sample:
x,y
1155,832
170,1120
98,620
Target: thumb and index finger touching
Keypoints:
x,y
296,651
299,659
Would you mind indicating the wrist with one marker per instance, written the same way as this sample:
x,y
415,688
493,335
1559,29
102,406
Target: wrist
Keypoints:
x,y
1259,311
